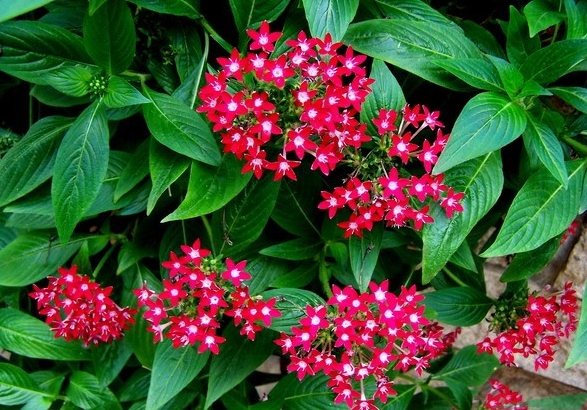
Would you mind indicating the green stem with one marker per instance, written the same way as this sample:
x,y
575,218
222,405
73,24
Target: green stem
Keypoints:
x,y
208,228
453,276
577,146
323,273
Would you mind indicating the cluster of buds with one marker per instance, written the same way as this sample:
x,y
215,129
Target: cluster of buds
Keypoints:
x,y
360,336
534,329
379,190
77,308
501,397
199,292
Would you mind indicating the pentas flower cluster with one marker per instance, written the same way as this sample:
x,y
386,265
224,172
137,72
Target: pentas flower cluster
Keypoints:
x,y
355,337
533,331
200,291
273,112
77,308
379,190
501,397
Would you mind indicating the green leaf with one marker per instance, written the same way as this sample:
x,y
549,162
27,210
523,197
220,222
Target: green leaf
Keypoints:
x,y
294,250
386,94
511,78
563,402
109,36
526,264
240,356
462,306
476,72
178,127
483,38
575,96
541,142
95,5
402,399
519,44
413,45
30,162
364,253
469,367
488,122
29,337
39,252
576,25
330,16
50,96
578,352
461,392
312,393
173,369
85,391
109,360
10,9
189,56
541,14
303,274
120,93
135,170
165,167
80,168
291,302
30,49
251,13
264,271
552,62
188,8
72,81
244,218
481,179
542,209
210,188
16,386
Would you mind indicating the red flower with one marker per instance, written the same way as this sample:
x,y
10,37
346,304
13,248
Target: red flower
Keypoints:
x,y
263,39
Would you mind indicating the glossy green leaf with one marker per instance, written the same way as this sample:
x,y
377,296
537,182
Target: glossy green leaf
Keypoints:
x,y
95,5
85,391
386,94
244,218
488,122
402,399
16,386
542,209
574,96
240,356
311,393
80,168
29,337
250,13
526,264
469,367
135,170
576,25
211,188
10,9
302,275
41,253
291,302
165,167
109,36
481,179
136,386
461,306
30,162
552,62
511,78
482,37
541,142
173,369
461,392
120,93
412,45
519,44
476,72
110,359
50,96
73,81
294,250
188,8
178,127
578,352
542,14
330,16
31,48
189,56
295,210
562,402
364,253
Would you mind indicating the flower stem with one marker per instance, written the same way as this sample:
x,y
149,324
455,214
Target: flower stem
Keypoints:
x,y
454,277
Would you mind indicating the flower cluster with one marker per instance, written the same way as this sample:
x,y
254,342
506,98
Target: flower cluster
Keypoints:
x,y
533,331
274,112
306,98
380,191
355,337
501,397
199,292
77,308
